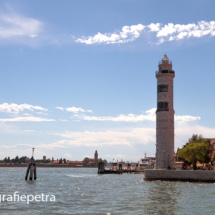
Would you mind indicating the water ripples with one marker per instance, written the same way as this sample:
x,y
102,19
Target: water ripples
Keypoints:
x,y
82,191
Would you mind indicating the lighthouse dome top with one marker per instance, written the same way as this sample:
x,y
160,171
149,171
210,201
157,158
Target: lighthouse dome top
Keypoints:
x,y
165,60
165,57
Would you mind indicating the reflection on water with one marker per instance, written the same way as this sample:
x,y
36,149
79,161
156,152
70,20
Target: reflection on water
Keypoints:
x,y
82,191
162,198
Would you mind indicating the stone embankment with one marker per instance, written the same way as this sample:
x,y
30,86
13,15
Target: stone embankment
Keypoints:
x,y
180,175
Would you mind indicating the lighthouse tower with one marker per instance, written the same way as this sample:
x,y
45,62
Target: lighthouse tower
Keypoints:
x,y
165,115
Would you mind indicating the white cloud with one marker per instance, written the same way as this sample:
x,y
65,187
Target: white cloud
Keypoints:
x,y
26,119
60,108
15,108
17,29
184,131
180,31
167,32
27,114
128,137
17,145
42,113
130,140
92,138
150,116
29,130
76,110
64,120
181,35
128,33
120,118
33,35
187,118
67,155
154,27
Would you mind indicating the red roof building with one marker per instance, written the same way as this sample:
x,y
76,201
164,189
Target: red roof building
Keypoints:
x,y
212,140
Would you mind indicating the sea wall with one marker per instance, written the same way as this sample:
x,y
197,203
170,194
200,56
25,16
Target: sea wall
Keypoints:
x,y
180,175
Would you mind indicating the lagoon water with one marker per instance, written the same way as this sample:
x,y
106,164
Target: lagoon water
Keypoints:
x,y
82,191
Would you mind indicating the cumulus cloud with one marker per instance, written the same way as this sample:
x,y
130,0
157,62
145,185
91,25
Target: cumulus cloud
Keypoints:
x,y
76,110
128,33
26,119
154,27
15,108
180,31
148,116
167,32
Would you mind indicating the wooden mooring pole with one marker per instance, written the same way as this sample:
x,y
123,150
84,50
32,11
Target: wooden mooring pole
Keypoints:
x,y
31,168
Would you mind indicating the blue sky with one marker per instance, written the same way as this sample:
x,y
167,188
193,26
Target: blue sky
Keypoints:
x,y
78,76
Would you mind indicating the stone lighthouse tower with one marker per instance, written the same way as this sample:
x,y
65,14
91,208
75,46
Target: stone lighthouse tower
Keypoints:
x,y
165,115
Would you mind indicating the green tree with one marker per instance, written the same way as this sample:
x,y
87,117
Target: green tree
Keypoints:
x,y
5,160
60,161
195,150
16,159
195,138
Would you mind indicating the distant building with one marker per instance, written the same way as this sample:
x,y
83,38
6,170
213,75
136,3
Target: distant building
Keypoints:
x,y
74,163
44,158
96,157
147,161
55,162
212,149
92,161
121,162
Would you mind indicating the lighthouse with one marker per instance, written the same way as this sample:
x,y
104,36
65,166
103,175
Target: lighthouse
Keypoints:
x,y
165,115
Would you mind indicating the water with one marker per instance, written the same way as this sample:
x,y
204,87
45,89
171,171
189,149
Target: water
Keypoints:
x,y
82,191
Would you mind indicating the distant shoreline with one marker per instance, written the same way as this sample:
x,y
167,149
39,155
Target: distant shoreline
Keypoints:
x,y
45,166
